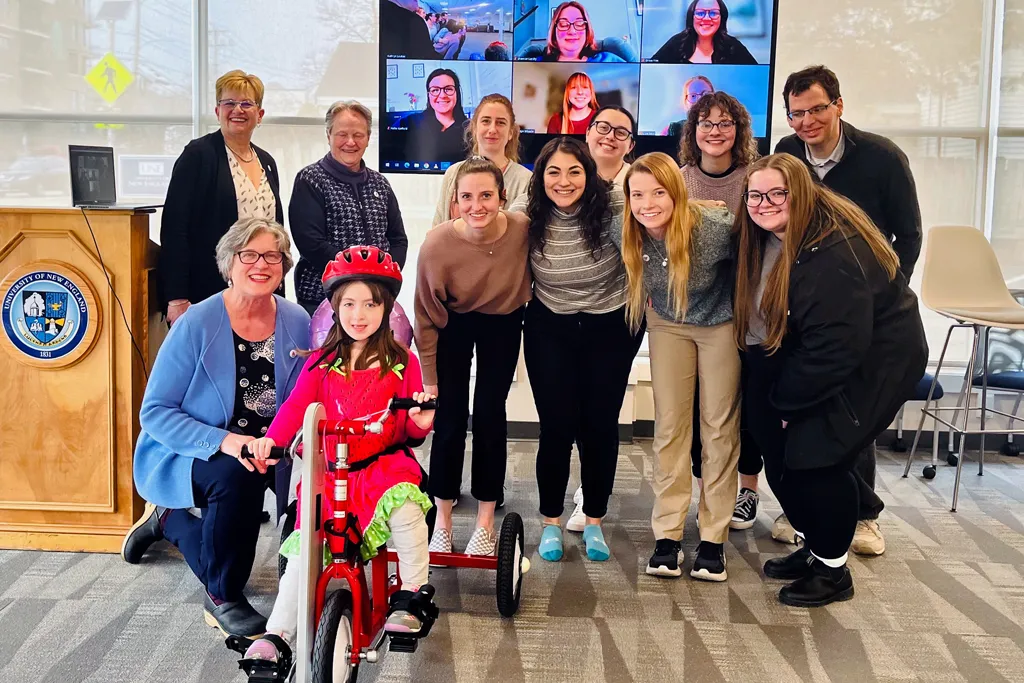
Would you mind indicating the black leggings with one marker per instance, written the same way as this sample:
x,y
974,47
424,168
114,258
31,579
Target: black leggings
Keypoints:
x,y
496,339
579,368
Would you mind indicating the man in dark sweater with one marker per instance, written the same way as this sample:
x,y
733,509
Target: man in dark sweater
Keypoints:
x,y
874,173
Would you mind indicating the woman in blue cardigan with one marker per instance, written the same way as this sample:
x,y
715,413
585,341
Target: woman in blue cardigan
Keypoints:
x,y
223,371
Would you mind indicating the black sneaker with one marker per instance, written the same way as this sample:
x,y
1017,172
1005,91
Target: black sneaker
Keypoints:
x,y
821,586
745,512
709,565
665,560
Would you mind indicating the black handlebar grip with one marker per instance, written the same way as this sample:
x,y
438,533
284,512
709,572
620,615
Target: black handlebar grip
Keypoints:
x,y
276,453
407,403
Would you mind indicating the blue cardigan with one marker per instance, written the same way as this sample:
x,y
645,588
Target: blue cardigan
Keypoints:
x,y
191,395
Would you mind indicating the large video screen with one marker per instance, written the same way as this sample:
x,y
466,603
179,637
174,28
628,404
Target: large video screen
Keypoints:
x,y
558,62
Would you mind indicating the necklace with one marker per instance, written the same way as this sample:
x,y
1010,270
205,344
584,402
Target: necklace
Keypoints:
x,y
664,257
252,154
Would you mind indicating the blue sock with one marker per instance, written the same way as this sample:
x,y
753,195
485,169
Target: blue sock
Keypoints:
x,y
597,549
551,543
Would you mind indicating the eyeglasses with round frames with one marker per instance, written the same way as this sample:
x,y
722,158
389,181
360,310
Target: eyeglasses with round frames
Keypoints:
x,y
447,90
706,126
776,197
618,132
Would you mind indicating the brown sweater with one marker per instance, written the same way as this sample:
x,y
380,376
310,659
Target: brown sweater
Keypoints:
x,y
728,189
453,274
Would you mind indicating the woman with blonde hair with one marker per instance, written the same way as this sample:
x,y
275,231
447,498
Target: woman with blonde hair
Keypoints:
x,y
835,346
218,179
493,135
579,106
678,259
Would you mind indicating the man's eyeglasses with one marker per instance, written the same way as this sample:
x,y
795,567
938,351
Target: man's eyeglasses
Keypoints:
x,y
618,132
564,24
706,126
706,13
249,257
799,114
776,197
246,105
447,90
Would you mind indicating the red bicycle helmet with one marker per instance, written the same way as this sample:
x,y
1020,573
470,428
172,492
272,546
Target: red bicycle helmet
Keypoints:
x,y
362,263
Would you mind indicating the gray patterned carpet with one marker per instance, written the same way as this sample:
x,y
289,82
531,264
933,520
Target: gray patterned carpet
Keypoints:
x,y
945,603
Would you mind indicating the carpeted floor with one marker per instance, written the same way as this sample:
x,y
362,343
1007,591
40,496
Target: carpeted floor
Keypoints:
x,y
945,603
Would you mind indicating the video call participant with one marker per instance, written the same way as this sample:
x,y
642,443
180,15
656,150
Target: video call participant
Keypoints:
x,y
218,179
579,104
494,135
571,37
338,202
835,347
694,89
874,173
406,33
705,40
437,132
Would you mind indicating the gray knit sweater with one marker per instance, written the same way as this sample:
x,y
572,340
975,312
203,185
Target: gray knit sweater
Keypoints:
x,y
709,289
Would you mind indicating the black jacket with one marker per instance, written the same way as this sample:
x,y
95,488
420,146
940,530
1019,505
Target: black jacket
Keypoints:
x,y
200,207
875,175
854,350
732,52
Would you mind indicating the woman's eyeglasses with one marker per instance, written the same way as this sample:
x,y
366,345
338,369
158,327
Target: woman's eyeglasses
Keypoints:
x,y
246,105
564,24
447,90
618,132
706,126
775,197
706,13
249,257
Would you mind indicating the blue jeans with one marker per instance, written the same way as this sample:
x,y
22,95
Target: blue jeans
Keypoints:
x,y
221,547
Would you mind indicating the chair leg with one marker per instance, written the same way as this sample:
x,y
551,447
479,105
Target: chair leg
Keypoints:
x,y
927,404
1009,448
984,400
967,417
899,422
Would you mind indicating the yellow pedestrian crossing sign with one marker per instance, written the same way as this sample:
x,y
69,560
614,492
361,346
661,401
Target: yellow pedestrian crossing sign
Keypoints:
x,y
110,78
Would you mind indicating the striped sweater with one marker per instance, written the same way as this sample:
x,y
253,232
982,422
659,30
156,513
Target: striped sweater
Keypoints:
x,y
568,277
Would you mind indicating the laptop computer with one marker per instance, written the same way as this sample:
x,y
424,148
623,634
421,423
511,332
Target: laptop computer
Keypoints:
x,y
93,184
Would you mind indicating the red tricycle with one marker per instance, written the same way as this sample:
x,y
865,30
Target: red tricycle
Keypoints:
x,y
339,629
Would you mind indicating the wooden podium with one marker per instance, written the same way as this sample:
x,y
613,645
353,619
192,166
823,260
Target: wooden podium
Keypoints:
x,y
73,378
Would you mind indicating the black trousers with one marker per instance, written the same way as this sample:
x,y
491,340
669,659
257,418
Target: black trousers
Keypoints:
x,y
496,339
220,547
579,367
870,505
821,503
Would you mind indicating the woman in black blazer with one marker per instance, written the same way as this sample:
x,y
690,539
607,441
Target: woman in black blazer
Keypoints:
x,y
835,346
218,179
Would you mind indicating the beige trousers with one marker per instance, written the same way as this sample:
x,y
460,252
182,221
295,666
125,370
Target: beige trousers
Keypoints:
x,y
680,354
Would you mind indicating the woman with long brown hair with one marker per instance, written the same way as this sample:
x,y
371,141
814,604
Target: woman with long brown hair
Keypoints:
x,y
494,135
579,106
678,259
835,345
571,37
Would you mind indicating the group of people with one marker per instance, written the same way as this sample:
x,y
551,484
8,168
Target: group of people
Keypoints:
x,y
774,291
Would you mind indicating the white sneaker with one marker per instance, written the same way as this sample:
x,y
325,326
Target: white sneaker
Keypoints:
x,y
482,542
577,520
783,531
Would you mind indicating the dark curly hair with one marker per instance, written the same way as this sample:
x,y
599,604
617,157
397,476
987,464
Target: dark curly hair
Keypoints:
x,y
744,150
594,204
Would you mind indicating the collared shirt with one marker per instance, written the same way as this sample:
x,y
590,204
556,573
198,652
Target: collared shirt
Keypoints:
x,y
823,166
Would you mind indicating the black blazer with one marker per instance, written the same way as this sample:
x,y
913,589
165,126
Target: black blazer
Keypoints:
x,y
853,352
731,51
200,207
875,175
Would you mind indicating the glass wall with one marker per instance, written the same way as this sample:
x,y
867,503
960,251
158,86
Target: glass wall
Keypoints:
x,y
138,75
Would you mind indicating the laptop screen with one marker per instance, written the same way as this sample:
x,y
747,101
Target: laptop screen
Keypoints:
x,y
92,175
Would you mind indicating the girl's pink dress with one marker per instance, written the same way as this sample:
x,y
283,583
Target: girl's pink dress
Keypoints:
x,y
389,481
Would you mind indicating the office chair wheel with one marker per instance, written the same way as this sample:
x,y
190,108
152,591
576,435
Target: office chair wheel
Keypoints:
x,y
1010,448
929,472
952,459
899,446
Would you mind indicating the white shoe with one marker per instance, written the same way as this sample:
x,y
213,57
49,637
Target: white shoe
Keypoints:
x,y
577,520
868,539
482,542
783,531
440,542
